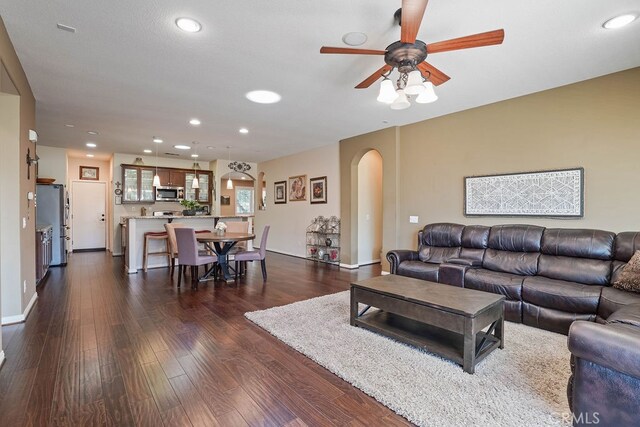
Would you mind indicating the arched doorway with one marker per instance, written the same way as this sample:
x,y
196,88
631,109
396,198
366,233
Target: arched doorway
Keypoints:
x,y
369,208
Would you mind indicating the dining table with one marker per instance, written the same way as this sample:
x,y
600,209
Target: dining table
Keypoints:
x,y
221,244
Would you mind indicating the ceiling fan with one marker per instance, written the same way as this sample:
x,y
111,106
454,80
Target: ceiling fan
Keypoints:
x,y
408,55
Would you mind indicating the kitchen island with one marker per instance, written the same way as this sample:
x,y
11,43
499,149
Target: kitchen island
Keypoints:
x,y
134,227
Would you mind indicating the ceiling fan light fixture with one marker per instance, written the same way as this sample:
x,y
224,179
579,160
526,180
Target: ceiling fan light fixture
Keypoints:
x,y
428,95
387,92
414,83
619,21
401,102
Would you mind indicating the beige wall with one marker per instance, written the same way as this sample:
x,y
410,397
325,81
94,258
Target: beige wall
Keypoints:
x,y
289,221
231,209
25,209
52,163
592,124
370,208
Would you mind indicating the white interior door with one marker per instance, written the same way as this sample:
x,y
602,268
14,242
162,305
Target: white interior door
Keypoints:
x,y
88,215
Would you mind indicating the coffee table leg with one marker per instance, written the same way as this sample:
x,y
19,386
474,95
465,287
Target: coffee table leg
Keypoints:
x,y
469,351
354,308
500,330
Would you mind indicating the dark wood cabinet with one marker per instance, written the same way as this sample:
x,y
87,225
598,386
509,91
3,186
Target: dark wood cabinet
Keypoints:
x,y
171,177
138,183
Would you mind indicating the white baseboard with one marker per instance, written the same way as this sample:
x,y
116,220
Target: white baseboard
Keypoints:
x,y
373,261
349,266
1,358
8,320
384,273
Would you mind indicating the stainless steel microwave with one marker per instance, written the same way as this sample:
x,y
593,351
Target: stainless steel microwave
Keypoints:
x,y
169,194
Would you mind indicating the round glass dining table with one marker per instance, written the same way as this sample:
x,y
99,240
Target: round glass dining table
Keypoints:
x,y
221,244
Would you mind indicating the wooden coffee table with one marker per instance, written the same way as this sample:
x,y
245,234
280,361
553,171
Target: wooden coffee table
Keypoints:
x,y
442,319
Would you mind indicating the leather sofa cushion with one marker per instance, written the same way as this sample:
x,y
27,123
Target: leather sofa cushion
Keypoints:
x,y
595,244
442,234
616,269
419,270
581,270
525,264
612,299
550,319
561,295
509,285
627,243
515,238
472,253
629,315
513,311
475,236
437,255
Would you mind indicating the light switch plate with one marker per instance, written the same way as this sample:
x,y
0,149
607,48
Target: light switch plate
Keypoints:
x,y
413,219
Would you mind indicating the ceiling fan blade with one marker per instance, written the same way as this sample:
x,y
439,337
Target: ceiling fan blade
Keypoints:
x,y
411,18
431,73
373,77
477,40
348,50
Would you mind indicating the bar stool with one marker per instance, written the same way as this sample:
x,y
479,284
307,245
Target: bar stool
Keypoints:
x,y
153,235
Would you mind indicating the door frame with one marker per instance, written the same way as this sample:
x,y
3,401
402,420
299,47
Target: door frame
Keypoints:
x,y
106,211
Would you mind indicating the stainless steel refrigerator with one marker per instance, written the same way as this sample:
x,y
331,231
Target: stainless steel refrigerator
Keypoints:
x,y
53,208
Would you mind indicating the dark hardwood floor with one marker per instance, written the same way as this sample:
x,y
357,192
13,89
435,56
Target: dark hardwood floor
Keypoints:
x,y
101,347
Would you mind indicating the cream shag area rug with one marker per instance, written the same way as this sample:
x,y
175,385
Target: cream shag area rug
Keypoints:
x,y
522,385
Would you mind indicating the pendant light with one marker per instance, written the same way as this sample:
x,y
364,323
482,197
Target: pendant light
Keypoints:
x,y
195,183
229,182
156,178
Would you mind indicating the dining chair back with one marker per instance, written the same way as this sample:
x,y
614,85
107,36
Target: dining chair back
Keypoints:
x,y
188,252
238,227
257,255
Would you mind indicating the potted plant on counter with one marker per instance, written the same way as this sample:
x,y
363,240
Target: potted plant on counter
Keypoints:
x,y
190,206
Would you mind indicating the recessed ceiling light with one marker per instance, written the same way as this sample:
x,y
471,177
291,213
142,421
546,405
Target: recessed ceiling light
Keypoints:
x,y
189,25
92,132
263,96
70,126
619,21
182,147
89,155
148,151
244,130
194,122
210,147
195,156
354,39
157,140
91,144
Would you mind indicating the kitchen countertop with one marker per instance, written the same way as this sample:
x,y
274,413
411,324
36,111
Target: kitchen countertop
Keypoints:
x,y
183,216
42,227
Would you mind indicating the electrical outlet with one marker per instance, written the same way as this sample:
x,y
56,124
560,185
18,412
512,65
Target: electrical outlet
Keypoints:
x,y
24,222
413,219
24,287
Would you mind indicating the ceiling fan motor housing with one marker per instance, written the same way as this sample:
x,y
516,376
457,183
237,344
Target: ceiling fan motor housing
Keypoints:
x,y
405,56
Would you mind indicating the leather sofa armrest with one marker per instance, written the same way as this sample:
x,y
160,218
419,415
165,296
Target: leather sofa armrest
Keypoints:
x,y
397,256
465,261
452,274
615,346
628,315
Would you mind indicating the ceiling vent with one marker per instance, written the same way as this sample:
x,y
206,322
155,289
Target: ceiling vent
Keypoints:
x,y
172,154
66,28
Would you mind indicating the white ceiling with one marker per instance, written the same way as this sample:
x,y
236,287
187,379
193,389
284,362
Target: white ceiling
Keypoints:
x,y
130,73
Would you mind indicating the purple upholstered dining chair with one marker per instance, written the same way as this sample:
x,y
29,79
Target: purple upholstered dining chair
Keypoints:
x,y
188,253
255,255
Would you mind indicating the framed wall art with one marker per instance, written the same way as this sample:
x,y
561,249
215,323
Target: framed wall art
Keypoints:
x,y
318,189
280,192
298,188
555,193
89,172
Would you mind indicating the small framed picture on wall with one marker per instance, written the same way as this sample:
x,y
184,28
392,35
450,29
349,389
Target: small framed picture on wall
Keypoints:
x,y
297,188
318,189
280,192
90,173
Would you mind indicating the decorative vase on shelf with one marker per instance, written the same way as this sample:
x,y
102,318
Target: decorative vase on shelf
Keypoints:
x,y
327,242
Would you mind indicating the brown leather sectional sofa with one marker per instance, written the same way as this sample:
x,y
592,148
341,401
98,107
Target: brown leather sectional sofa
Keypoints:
x,y
551,277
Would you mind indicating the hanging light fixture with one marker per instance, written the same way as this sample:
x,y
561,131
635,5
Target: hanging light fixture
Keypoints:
x,y
195,183
410,83
229,182
156,178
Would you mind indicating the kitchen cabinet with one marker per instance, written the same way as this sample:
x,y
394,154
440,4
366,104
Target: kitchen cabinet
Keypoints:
x,y
44,251
171,177
201,194
137,184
